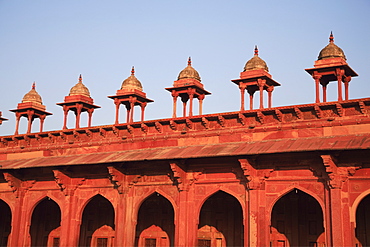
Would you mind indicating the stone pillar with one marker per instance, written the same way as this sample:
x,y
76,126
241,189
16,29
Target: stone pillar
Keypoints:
x,y
269,92
130,220
174,96
65,110
200,99
346,86
132,105
78,115
120,216
117,103
324,87
143,105
317,86
184,100
42,120
18,118
242,96
90,112
339,74
191,97
30,114
261,84
251,93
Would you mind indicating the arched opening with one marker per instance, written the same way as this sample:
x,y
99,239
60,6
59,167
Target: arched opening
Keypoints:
x,y
297,220
363,222
98,212
221,221
5,223
155,224
45,218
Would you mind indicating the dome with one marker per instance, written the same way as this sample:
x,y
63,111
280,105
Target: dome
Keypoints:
x,y
132,82
79,89
189,73
331,50
256,62
32,96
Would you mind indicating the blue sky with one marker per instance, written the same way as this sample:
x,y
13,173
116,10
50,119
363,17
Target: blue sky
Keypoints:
x,y
52,42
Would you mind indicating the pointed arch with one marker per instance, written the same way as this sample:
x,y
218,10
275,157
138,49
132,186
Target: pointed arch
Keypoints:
x,y
142,198
297,219
231,193
356,203
290,189
222,215
46,216
83,205
362,223
5,222
155,210
97,212
39,199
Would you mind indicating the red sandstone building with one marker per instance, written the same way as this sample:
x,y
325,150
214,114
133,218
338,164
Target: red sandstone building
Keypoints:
x,y
277,176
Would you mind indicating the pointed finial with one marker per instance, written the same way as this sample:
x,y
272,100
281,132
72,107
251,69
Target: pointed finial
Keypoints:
x,y
80,79
34,85
189,61
256,50
331,38
133,70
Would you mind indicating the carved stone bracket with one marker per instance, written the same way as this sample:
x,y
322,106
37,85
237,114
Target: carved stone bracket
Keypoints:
x,y
318,111
178,176
158,126
339,109
173,125
260,117
279,115
18,186
130,129
67,184
298,113
189,124
255,178
361,105
102,132
242,119
121,181
205,122
115,131
181,178
221,120
337,175
144,128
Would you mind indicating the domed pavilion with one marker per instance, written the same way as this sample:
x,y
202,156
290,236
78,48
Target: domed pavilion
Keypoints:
x,y
130,95
31,108
78,101
188,86
255,77
331,65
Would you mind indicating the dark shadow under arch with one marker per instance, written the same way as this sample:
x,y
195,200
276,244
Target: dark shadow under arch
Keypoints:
x,y
363,222
97,213
45,217
297,218
158,211
5,223
223,212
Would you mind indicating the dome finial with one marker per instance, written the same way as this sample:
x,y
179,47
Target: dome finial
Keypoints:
x,y
255,50
80,79
331,38
34,85
189,61
133,70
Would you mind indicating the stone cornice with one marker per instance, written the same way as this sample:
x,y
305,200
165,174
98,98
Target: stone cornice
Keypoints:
x,y
328,114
